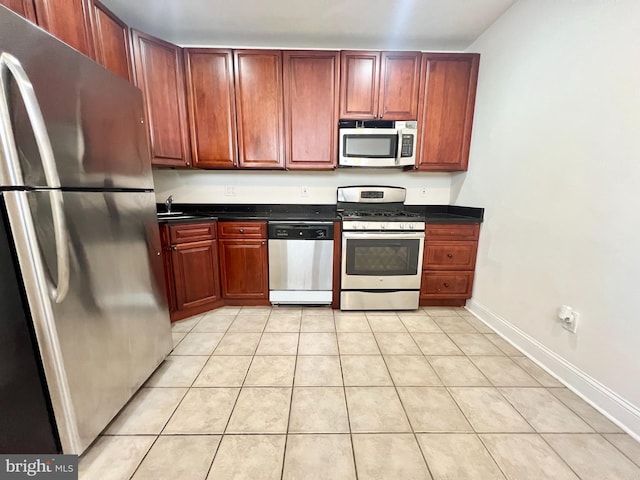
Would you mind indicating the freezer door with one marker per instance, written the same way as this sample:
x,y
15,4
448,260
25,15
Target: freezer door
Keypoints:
x,y
93,117
112,329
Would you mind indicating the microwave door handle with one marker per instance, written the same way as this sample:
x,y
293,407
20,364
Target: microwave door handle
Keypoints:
x,y
10,64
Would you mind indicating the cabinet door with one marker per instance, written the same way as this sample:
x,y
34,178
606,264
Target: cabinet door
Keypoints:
x,y
448,92
160,76
21,7
311,109
212,108
399,85
360,73
195,273
112,42
69,20
258,75
244,270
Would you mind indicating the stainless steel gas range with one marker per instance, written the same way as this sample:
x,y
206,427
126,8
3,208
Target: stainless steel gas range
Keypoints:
x,y
382,248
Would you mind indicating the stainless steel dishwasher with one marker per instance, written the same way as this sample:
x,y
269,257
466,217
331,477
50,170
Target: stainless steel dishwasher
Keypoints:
x,y
300,262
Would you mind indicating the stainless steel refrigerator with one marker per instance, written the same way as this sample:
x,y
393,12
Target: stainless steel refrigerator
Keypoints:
x,y
83,315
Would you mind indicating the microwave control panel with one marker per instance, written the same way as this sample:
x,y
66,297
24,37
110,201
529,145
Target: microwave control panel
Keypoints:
x,y
407,145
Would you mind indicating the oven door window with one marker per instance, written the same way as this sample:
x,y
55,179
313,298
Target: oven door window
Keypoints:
x,y
382,257
370,146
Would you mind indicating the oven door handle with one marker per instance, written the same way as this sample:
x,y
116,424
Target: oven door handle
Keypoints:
x,y
383,235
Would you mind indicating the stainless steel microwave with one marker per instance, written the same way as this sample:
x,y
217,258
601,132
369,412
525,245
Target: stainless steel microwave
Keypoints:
x,y
377,143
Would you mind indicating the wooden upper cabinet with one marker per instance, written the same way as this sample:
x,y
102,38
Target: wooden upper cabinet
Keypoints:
x,y
21,7
258,82
377,85
212,108
160,75
311,109
112,41
399,85
68,20
360,74
448,92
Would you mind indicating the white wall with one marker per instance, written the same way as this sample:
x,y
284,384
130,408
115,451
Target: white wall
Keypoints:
x,y
209,186
555,160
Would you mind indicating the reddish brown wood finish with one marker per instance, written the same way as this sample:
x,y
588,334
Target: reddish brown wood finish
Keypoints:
x,y
442,302
448,264
337,263
258,81
192,232
311,109
165,239
444,231
192,274
450,255
212,107
399,85
447,92
360,76
446,284
244,270
242,230
195,273
160,76
112,41
21,7
68,20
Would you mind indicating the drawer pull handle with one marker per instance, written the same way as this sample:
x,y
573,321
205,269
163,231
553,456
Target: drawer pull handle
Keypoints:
x,y
450,255
242,230
446,285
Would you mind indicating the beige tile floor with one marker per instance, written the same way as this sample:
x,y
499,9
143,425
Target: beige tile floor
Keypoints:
x,y
307,393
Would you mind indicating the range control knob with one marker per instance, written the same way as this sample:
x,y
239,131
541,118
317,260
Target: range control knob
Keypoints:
x,y
402,226
412,226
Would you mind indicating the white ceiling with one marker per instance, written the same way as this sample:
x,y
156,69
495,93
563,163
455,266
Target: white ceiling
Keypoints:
x,y
373,24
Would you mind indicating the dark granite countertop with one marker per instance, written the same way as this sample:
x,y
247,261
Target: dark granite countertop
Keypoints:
x,y
309,213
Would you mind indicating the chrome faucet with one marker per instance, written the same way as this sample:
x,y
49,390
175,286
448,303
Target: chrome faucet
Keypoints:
x,y
168,202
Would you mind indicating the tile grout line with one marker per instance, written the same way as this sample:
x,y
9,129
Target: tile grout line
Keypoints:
x,y
179,403
413,432
619,450
293,381
222,435
346,403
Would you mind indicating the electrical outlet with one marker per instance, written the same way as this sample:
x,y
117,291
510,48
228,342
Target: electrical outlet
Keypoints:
x,y
304,192
229,191
569,318
423,191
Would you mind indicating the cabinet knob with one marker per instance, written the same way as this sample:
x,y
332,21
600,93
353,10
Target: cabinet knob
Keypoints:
x,y
450,255
158,253
446,285
174,247
242,230
263,243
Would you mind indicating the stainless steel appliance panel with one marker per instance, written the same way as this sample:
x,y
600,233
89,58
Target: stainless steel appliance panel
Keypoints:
x,y
300,264
398,300
103,340
93,117
383,243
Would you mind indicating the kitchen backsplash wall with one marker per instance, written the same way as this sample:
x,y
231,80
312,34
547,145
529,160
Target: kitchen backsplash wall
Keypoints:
x,y
219,186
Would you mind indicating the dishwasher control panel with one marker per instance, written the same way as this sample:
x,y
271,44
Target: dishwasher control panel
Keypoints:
x,y
297,231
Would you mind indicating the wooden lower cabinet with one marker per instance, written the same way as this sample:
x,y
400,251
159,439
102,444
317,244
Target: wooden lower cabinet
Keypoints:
x,y
191,268
448,264
244,269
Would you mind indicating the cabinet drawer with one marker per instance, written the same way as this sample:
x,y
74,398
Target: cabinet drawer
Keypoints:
x,y
444,231
192,232
449,255
446,284
242,230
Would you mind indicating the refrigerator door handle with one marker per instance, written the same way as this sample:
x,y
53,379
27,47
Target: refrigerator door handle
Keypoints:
x,y
9,64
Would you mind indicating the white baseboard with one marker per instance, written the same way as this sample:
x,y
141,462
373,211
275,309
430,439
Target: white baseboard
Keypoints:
x,y
611,405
